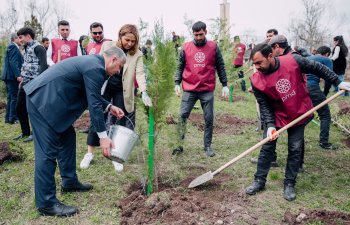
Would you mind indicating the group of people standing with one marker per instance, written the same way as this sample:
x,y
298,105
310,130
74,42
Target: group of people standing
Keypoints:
x,y
105,82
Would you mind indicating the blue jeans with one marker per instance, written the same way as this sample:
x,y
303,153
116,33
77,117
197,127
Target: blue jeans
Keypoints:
x,y
12,90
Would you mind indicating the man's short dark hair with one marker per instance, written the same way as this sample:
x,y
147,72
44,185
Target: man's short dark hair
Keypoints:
x,y
96,24
265,50
198,26
26,30
283,45
44,39
63,23
274,31
323,50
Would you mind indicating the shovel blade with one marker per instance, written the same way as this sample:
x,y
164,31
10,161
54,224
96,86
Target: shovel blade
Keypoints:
x,y
201,179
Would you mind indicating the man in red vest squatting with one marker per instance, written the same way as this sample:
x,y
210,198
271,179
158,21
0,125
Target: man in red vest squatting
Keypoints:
x,y
198,61
96,31
63,47
280,88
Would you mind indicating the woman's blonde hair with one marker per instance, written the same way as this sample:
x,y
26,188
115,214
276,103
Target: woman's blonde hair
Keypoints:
x,y
129,29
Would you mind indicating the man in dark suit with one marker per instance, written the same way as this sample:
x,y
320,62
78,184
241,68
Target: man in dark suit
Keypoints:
x,y
11,75
55,100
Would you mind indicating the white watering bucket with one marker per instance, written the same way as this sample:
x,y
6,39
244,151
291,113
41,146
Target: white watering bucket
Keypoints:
x,y
124,141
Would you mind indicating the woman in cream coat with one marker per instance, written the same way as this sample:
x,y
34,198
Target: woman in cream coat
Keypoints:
x,y
122,87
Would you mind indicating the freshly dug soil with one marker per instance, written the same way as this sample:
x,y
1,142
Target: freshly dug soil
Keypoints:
x,y
83,122
344,108
202,205
347,142
2,107
223,123
6,154
312,216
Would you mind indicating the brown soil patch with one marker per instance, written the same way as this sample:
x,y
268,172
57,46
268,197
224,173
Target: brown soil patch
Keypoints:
x,y
223,123
170,120
83,122
312,216
344,108
234,99
2,107
347,142
203,205
6,154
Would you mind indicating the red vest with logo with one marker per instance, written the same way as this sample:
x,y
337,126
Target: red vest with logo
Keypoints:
x,y
95,47
239,50
199,73
286,89
66,48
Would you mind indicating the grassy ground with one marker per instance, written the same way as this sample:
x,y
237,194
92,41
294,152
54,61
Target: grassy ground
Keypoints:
x,y
325,184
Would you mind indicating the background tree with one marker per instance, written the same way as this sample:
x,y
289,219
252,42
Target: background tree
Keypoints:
x,y
315,24
36,26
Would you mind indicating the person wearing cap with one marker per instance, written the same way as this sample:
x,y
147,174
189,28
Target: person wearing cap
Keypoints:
x,y
11,75
278,85
198,61
280,46
238,51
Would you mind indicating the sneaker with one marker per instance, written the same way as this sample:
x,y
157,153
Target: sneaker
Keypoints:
x,y
118,166
85,163
209,151
328,146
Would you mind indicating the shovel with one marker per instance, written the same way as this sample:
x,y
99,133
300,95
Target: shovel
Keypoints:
x,y
210,175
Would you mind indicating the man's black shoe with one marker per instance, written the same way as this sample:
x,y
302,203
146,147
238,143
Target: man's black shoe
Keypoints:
x,y
58,209
328,146
256,187
28,139
20,137
77,187
178,150
274,164
209,151
289,192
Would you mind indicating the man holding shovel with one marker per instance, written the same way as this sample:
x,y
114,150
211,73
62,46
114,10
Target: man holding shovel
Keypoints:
x,y
280,89
198,61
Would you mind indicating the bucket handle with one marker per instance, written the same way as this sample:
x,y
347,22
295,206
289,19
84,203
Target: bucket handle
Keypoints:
x,y
133,126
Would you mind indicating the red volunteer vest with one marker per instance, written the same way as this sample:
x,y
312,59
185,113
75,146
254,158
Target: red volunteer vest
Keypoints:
x,y
95,47
239,50
67,48
287,90
199,73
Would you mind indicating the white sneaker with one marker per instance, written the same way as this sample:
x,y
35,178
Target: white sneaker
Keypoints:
x,y
85,163
118,166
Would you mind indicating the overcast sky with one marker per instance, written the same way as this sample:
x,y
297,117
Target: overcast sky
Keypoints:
x,y
245,15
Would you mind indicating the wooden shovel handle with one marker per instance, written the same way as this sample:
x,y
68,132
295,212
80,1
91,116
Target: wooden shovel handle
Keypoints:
x,y
289,125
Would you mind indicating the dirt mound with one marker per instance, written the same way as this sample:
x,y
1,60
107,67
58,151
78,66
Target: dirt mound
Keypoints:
x,y
204,205
344,108
313,216
83,122
2,107
223,123
6,154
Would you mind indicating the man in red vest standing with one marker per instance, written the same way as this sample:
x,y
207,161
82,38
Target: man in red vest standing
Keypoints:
x,y
96,31
198,61
238,51
280,88
63,47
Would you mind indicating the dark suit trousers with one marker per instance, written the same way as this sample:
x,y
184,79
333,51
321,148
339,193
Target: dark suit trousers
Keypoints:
x,y
12,91
50,147
22,113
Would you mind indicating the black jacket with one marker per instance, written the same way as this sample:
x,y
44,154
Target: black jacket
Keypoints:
x,y
306,66
219,65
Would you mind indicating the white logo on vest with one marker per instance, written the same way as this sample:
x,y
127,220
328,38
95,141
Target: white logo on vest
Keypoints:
x,y
199,57
283,86
65,48
92,51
